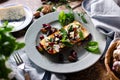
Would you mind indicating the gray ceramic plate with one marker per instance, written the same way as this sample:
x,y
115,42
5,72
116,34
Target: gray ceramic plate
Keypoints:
x,y
85,59
22,23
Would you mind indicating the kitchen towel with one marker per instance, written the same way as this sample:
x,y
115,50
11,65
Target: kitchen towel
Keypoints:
x,y
104,13
36,73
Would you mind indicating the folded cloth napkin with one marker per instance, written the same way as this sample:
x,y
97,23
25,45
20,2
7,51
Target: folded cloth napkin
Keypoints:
x,y
36,73
105,15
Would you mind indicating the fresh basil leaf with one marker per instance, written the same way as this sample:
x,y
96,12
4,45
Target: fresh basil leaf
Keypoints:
x,y
8,29
92,46
64,34
4,71
63,31
8,44
93,43
66,43
83,19
82,16
0,37
81,35
65,18
62,18
19,45
70,28
5,24
69,17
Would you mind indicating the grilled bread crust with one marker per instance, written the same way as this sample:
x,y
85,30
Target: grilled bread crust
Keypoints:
x,y
76,25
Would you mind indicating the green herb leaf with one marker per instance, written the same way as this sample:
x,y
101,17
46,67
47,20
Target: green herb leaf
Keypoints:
x,y
5,24
4,71
19,45
62,18
70,28
51,39
8,44
83,19
92,46
66,43
64,33
39,9
82,16
65,18
81,35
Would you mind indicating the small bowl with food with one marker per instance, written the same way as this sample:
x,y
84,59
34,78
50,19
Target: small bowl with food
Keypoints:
x,y
112,60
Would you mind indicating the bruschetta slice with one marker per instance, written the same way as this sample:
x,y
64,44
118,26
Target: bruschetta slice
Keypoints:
x,y
66,36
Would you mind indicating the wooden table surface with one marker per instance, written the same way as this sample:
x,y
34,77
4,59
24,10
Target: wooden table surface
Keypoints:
x,y
95,72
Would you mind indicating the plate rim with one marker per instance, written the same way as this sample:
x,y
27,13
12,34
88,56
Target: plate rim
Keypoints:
x,y
39,64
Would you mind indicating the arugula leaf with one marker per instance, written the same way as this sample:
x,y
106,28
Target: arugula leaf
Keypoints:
x,y
65,18
92,46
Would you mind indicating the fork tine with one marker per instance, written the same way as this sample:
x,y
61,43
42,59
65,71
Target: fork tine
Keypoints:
x,y
16,60
19,58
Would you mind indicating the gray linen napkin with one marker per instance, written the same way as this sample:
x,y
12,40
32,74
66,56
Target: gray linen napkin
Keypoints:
x,y
105,15
36,73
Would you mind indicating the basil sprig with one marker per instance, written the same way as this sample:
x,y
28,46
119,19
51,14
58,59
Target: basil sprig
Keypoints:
x,y
66,18
92,46
8,44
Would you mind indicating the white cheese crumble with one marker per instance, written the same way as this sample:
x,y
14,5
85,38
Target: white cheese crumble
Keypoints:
x,y
72,34
77,36
46,44
56,39
47,39
56,47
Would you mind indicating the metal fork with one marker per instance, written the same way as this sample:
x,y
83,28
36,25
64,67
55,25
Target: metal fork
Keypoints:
x,y
21,65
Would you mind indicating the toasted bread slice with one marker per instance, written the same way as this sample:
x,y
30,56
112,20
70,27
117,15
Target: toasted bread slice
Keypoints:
x,y
68,36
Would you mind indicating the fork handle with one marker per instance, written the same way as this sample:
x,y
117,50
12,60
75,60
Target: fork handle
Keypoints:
x,y
26,75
